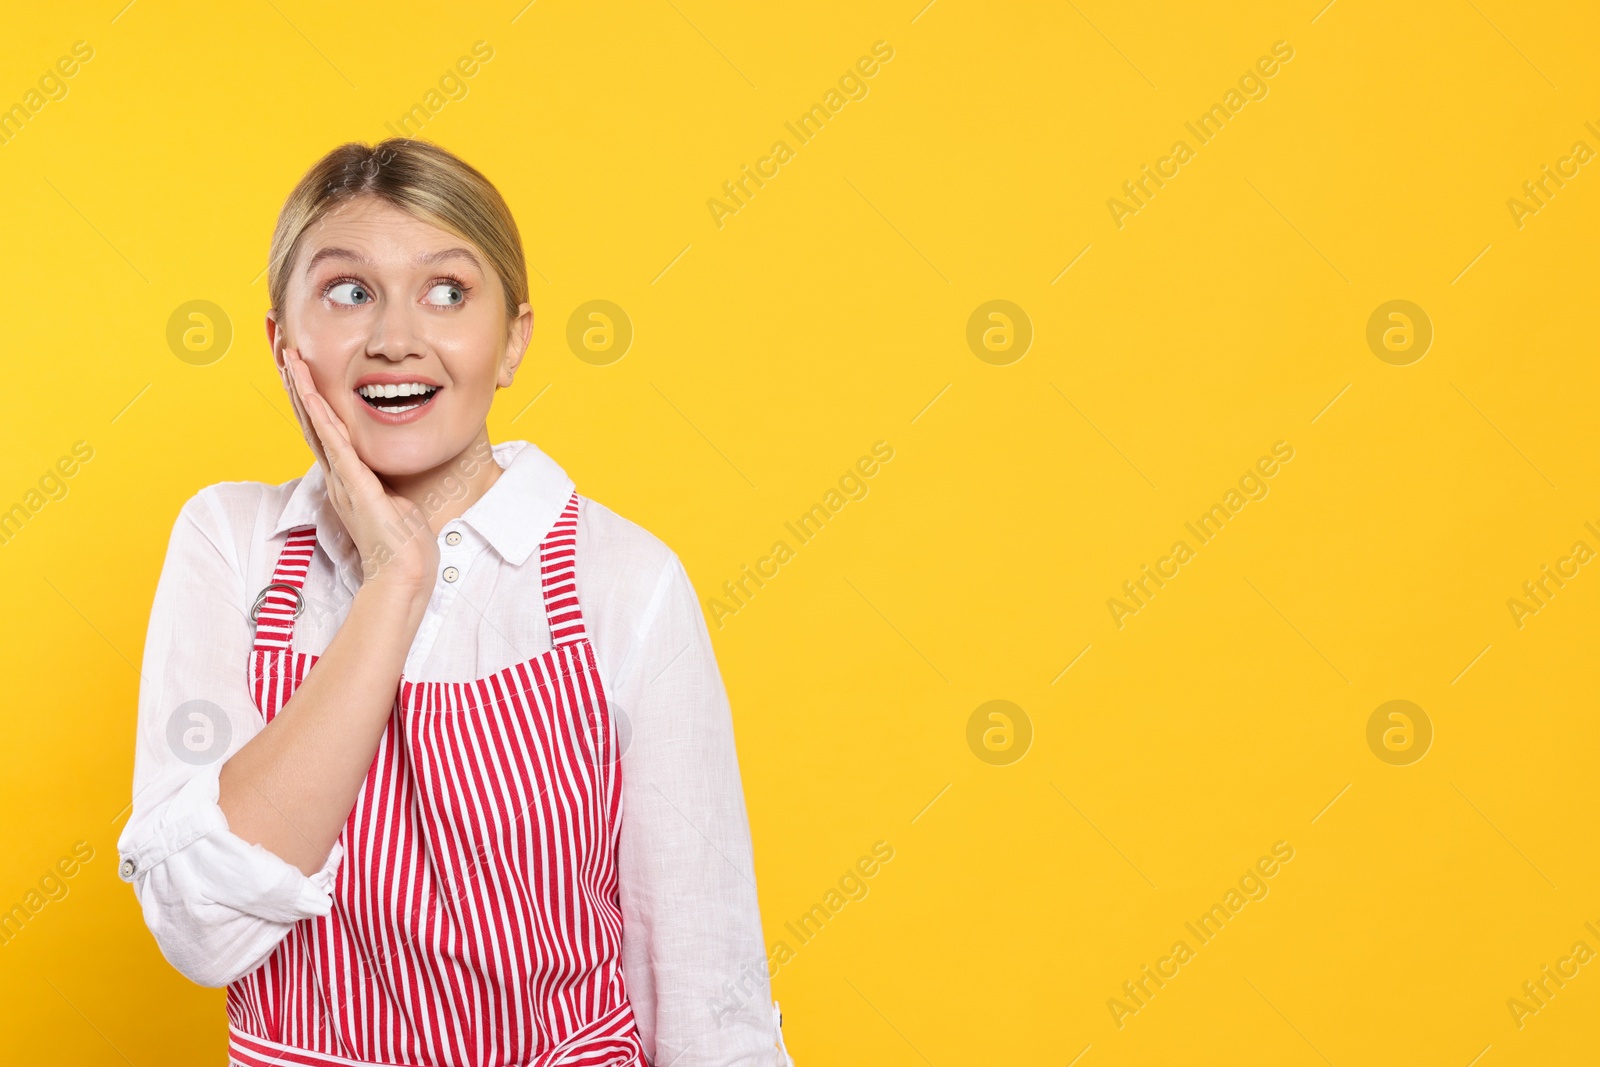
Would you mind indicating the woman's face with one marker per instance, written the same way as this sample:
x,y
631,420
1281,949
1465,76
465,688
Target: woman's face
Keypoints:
x,y
380,302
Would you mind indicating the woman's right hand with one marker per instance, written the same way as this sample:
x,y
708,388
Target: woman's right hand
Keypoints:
x,y
397,546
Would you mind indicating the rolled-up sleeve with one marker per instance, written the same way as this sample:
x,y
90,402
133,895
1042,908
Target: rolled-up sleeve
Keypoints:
x,y
216,904
692,938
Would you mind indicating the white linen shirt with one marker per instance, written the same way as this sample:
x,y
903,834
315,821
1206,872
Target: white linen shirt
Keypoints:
x,y
693,955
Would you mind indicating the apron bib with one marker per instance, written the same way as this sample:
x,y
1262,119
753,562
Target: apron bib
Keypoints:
x,y
476,920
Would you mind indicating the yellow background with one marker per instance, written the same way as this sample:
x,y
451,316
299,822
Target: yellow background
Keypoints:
x,y
829,313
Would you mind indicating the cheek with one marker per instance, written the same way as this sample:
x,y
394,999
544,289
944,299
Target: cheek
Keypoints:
x,y
471,354
327,339
328,359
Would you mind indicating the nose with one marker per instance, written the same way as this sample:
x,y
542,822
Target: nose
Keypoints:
x,y
394,332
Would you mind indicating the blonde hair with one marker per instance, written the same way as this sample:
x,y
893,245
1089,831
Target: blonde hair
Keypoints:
x,y
420,179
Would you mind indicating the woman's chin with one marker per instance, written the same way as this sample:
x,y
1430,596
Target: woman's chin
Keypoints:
x,y
401,459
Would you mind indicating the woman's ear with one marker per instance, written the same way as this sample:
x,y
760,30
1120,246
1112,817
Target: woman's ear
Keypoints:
x,y
275,340
518,335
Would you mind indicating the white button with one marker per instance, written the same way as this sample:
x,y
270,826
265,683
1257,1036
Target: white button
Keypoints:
x,y
128,867
453,537
451,574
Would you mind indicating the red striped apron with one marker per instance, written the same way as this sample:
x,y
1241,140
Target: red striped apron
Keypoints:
x,y
476,920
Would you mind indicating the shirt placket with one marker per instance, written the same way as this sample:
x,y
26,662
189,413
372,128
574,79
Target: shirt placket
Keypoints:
x,y
459,546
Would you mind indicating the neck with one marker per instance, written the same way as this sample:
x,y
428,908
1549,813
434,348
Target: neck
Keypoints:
x,y
448,490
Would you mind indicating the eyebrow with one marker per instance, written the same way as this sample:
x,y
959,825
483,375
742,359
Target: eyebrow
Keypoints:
x,y
334,252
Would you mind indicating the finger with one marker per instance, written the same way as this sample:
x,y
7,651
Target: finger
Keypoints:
x,y
333,481
339,497
319,426
316,415
334,420
292,385
306,429
316,410
311,397
306,391
291,389
359,481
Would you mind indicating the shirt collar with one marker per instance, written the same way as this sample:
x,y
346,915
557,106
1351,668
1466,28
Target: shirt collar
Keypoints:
x,y
523,504
515,514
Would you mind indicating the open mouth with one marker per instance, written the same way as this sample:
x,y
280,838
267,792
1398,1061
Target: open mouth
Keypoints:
x,y
398,399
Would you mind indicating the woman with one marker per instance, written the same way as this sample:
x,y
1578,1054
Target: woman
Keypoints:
x,y
435,764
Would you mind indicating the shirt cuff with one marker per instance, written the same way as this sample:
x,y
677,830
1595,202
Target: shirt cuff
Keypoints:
x,y
223,867
777,1025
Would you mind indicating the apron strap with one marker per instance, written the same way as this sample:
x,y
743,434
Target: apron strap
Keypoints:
x,y
558,555
282,599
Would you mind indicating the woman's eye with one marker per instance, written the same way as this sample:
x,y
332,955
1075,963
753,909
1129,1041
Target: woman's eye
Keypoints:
x,y
446,293
349,293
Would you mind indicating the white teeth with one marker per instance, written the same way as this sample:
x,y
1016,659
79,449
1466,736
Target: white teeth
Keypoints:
x,y
406,389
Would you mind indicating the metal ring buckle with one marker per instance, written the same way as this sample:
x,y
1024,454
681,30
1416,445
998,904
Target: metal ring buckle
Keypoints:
x,y
299,599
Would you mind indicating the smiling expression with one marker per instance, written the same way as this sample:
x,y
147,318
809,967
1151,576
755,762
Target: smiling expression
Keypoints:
x,y
403,326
